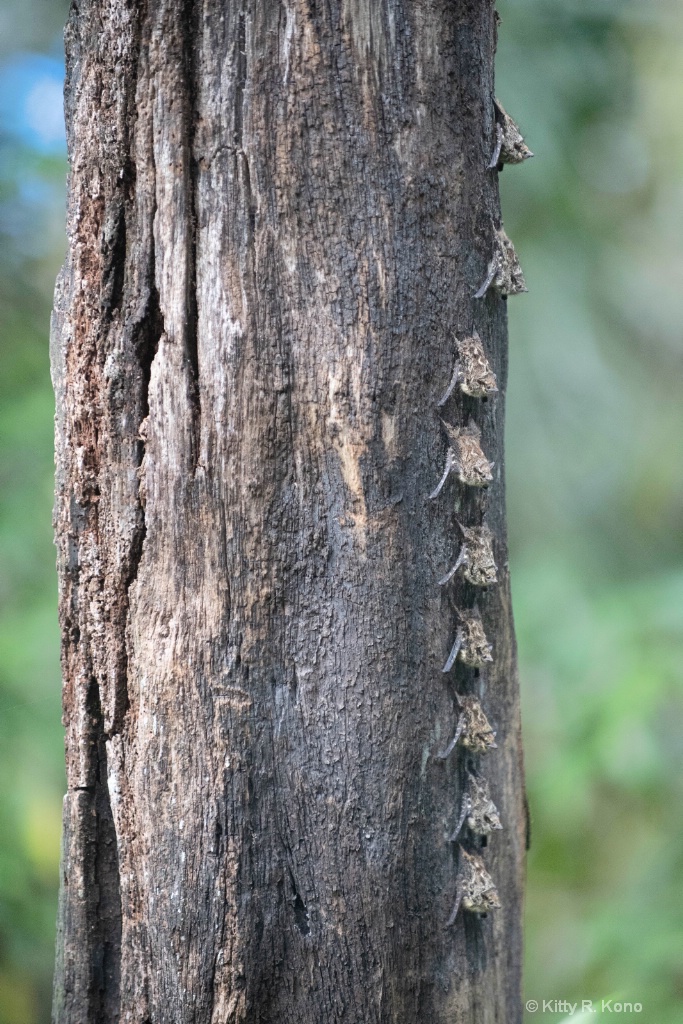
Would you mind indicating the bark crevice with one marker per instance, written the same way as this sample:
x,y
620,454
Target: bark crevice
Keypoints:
x,y
148,334
299,908
106,885
191,14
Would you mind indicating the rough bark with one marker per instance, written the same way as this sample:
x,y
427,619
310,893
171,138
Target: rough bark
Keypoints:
x,y
278,215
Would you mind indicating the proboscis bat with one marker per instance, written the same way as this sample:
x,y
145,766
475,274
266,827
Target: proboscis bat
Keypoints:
x,y
478,809
475,890
510,146
470,463
473,730
475,558
465,457
471,645
504,273
472,371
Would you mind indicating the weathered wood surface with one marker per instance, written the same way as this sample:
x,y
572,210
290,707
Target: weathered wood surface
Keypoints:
x,y
278,213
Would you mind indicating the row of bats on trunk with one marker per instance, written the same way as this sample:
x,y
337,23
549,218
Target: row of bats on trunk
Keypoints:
x,y
475,889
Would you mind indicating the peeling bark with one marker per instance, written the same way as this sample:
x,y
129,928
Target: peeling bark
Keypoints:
x,y
278,215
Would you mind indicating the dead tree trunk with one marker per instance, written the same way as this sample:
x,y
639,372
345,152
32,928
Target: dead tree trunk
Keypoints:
x,y
279,214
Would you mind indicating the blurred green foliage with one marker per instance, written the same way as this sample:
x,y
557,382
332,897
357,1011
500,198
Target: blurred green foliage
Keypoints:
x,y
32,169
594,436
595,445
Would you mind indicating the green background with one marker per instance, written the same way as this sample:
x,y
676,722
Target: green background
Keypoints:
x,y
594,447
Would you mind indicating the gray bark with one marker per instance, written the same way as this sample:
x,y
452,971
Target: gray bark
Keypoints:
x,y
278,214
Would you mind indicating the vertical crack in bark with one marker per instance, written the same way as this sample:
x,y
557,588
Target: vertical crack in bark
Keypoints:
x,y
146,339
241,80
241,155
114,242
300,908
149,335
120,221
191,36
106,909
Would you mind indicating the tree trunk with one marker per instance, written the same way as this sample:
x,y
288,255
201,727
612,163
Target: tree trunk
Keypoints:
x,y
279,213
